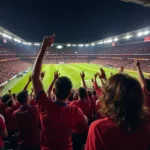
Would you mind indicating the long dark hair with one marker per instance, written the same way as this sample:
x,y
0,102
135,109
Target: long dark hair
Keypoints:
x,y
123,101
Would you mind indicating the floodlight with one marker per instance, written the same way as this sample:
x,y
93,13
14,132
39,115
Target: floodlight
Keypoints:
x,y
80,45
93,44
37,44
74,45
140,34
86,45
146,32
17,40
59,47
68,45
116,39
6,36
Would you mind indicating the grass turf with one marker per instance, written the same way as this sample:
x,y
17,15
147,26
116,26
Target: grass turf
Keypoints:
x,y
70,70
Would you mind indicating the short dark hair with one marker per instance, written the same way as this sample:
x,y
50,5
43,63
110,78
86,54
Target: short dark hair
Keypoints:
x,y
123,101
63,87
82,92
94,93
6,97
22,97
70,98
14,95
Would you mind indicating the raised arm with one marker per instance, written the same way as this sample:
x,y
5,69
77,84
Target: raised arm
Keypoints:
x,y
56,76
83,80
140,74
37,83
26,86
101,80
42,75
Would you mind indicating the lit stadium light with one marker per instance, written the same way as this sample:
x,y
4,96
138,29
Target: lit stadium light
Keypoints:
x,y
92,44
86,45
128,36
105,41
80,45
59,46
6,36
116,39
74,45
17,40
27,43
109,41
101,42
146,32
37,44
68,45
140,34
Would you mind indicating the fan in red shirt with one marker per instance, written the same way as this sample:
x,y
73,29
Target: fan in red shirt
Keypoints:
x,y
11,107
125,126
145,84
58,118
26,120
3,132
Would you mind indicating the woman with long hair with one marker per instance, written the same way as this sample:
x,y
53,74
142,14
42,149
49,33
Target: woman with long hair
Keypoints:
x,y
125,124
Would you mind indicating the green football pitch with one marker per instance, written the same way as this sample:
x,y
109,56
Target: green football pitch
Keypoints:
x,y
70,70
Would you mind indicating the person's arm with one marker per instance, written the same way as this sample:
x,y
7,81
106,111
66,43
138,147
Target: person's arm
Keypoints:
x,y
140,74
26,86
103,74
101,80
37,83
82,74
56,76
97,89
31,94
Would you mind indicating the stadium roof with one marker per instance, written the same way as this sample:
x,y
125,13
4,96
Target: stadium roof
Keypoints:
x,y
144,32
145,3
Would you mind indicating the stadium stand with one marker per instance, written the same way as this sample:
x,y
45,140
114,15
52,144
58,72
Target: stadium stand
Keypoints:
x,y
70,119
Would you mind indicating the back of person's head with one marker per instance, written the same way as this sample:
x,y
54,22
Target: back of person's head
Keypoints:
x,y
9,103
90,94
82,93
22,97
14,96
123,101
6,98
94,93
63,87
148,84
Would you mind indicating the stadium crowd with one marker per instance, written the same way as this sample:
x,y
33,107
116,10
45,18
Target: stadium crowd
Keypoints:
x,y
9,69
114,116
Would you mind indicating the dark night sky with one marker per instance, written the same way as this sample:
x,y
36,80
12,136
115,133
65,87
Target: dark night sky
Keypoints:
x,y
71,20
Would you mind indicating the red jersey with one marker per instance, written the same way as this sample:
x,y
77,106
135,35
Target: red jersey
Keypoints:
x,y
3,109
57,121
2,128
26,120
9,123
85,106
105,135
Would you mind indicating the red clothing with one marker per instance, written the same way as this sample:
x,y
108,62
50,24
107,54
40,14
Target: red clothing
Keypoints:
x,y
95,98
85,106
105,135
2,128
98,106
9,123
97,89
57,121
26,120
32,102
3,109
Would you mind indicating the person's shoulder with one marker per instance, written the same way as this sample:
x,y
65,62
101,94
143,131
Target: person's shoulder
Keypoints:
x,y
102,123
